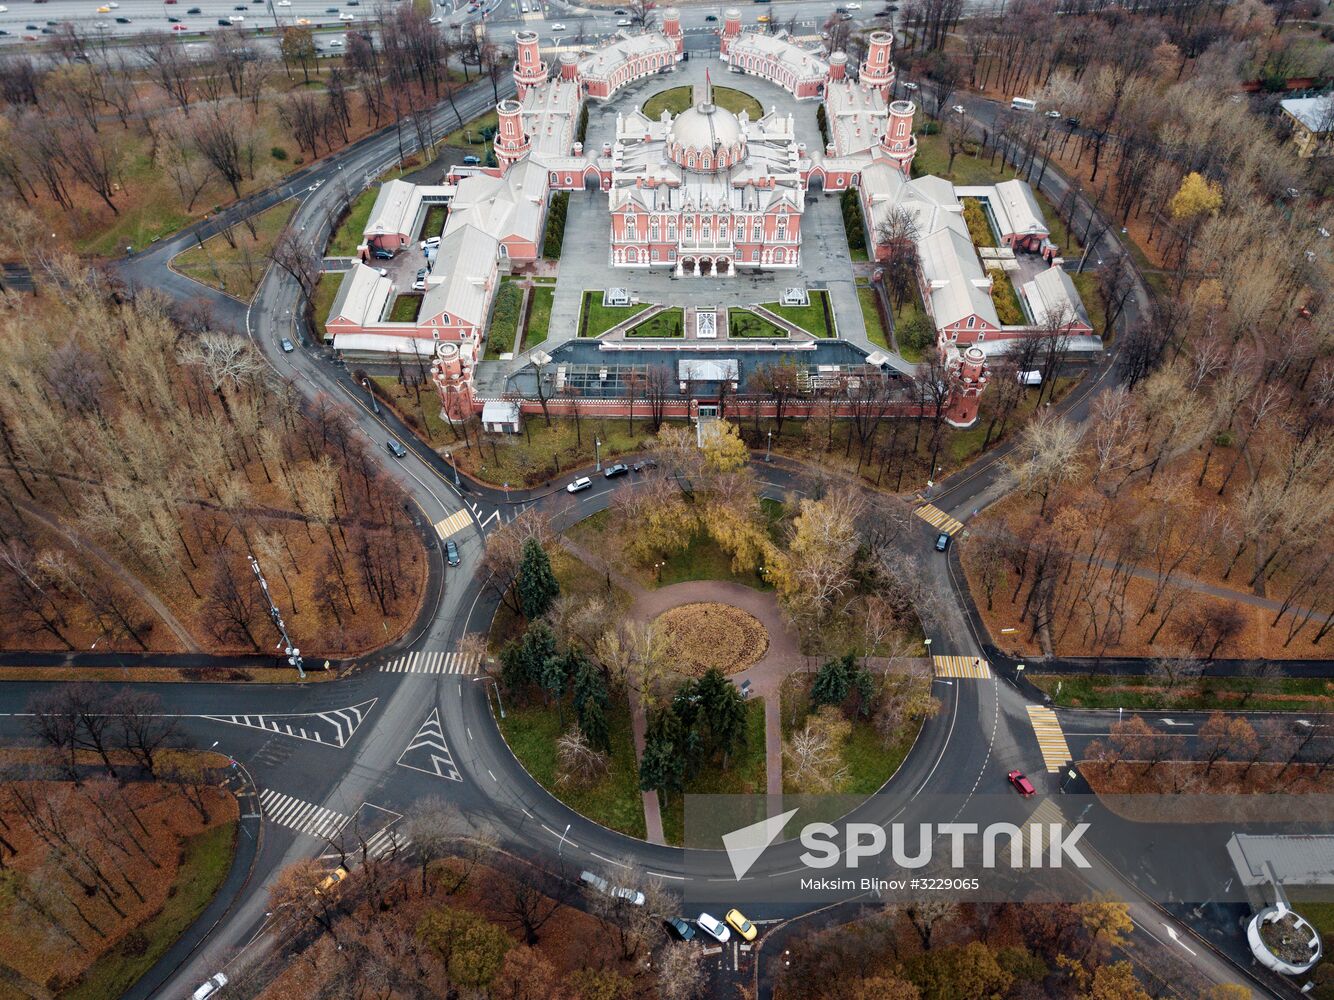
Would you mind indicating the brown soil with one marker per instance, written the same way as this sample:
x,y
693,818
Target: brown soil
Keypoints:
x,y
709,634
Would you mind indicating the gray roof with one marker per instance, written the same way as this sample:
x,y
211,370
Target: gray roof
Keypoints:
x,y
1305,859
1052,295
1316,113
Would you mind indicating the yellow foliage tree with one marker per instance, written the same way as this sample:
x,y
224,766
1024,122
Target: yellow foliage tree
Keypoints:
x,y
724,451
1196,198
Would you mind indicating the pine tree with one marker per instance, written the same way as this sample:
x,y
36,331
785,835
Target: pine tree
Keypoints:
x,y
537,584
553,683
593,722
589,682
833,681
662,768
722,712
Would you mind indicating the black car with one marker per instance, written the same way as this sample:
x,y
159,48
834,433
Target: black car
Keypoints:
x,y
173,20
195,10
224,22
619,469
942,542
681,928
648,463
451,553
122,20
396,449
1072,122
710,17
30,27
381,253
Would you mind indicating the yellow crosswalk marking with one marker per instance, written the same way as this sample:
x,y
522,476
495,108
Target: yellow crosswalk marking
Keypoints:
x,y
1051,739
1044,816
937,518
453,524
961,666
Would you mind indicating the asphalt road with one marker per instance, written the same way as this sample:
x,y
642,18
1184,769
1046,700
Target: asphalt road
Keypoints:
x,y
364,748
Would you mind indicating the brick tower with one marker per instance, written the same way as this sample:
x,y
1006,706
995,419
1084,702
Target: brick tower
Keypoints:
x,y
968,377
838,66
511,143
529,69
671,27
569,66
877,70
731,29
898,143
451,373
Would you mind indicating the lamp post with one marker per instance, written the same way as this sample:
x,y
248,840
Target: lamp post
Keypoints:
x,y
291,652
597,453
453,465
768,447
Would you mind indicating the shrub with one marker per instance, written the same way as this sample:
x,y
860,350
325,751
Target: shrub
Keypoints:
x,y
278,153
852,219
928,128
917,333
555,235
582,129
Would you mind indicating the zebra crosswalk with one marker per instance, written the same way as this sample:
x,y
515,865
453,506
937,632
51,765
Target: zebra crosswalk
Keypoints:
x,y
1051,739
1045,816
961,666
299,815
429,661
453,524
937,518
385,843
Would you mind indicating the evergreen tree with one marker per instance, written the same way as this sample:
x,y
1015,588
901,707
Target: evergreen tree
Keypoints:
x,y
833,681
722,715
662,768
534,650
590,685
552,677
537,584
593,722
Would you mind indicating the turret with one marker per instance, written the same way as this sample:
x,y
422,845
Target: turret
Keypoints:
x,y
898,143
671,27
451,374
877,69
511,143
838,66
731,28
968,377
529,69
569,66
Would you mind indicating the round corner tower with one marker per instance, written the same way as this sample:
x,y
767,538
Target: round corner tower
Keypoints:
x,y
671,27
898,143
731,29
451,373
529,69
877,69
511,142
838,66
968,377
569,67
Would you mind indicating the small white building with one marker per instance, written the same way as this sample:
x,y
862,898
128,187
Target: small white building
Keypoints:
x,y
501,416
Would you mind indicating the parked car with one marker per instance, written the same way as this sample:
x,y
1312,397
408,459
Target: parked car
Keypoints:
x,y
286,345
582,483
471,161
419,283
619,469
215,982
714,928
380,253
738,922
942,542
451,553
1072,122
558,27
430,241
1053,114
337,43
332,879
648,463
396,449
1021,783
681,928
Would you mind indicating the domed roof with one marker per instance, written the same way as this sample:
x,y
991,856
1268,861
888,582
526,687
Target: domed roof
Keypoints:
x,y
706,127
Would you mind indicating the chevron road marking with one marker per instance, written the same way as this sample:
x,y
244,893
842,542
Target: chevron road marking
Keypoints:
x,y
961,666
937,518
306,725
453,524
303,817
430,737
1051,739
433,662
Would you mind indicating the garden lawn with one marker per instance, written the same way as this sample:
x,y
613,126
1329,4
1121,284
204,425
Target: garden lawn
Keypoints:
x,y
504,320
979,229
810,317
349,235
238,269
1005,298
459,137
424,416
539,316
678,99
875,327
744,323
405,308
526,458
933,154
615,800
668,323
1086,283
1136,693
207,858
596,319
746,776
909,312
326,290
434,223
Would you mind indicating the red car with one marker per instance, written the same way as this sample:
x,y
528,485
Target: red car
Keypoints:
x,y
1021,784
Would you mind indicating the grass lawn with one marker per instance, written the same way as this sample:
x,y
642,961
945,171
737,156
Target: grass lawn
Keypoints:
x,y
744,323
435,221
614,801
208,856
527,458
1087,285
1005,298
1133,693
596,319
326,290
539,316
678,99
424,418
668,323
473,129
875,329
746,776
933,154
504,320
405,307
238,269
1320,912
349,235
810,317
910,310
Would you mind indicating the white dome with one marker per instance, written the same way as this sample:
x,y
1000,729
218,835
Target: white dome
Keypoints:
x,y
706,127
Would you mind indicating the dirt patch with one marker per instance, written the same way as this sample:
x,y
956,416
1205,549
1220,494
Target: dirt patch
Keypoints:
x,y
708,634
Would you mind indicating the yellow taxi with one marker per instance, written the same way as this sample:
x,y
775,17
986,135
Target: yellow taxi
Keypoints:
x,y
763,19
332,879
303,21
104,9
738,922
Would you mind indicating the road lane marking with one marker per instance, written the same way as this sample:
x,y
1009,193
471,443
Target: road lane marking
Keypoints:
x,y
433,661
961,666
937,518
430,754
453,524
1051,739
299,815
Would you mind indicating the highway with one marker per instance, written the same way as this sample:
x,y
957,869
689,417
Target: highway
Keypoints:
x,y
389,737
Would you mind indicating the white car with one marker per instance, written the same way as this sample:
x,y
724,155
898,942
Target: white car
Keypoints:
x,y
216,982
4,10
345,16
632,896
558,27
284,3
624,22
1053,113
112,4
852,6
714,928
430,241
236,18
958,109
337,43
582,483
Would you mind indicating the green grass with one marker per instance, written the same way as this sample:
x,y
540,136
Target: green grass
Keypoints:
x,y
533,455
539,316
678,99
405,307
744,323
1320,912
326,290
702,559
668,323
810,317
746,776
875,329
911,310
933,154
237,270
426,415
1087,286
434,223
979,229
615,801
459,137
1133,693
602,318
207,858
504,320
349,235
1005,298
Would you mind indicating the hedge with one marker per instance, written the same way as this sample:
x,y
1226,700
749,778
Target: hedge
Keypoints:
x,y
852,219
560,203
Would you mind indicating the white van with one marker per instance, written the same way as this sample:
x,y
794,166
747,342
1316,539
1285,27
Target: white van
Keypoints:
x,y
1030,378
1022,104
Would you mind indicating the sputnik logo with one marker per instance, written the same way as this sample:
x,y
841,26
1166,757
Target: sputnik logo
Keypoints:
x,y
744,846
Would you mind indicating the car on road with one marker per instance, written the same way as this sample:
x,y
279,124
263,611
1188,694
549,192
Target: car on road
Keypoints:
x,y
241,6
681,928
853,6
582,483
957,109
215,982
558,27
236,19
396,449
419,283
30,27
619,469
173,20
48,31
345,16
284,3
451,553
910,86
331,880
738,922
1072,122
337,43
595,882
286,345
104,9
763,19
942,541
195,10
1053,114
620,12
1021,783
714,928
648,463
471,161
710,18
122,20
179,27
624,22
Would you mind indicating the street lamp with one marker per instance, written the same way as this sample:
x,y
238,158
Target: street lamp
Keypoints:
x,y
768,447
292,653
453,465
597,453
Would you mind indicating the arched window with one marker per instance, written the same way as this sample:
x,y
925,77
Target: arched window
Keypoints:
x,y
779,255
